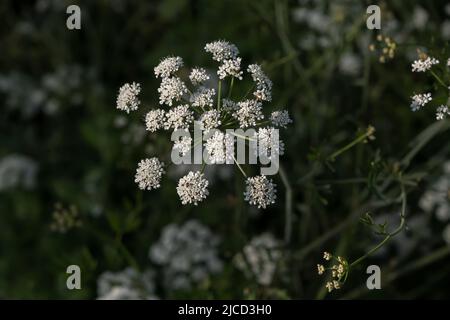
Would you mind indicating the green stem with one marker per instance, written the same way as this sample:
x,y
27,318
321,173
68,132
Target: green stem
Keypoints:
x,y
350,145
438,79
219,93
240,168
231,87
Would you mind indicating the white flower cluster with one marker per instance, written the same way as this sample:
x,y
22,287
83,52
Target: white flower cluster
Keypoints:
x,y
424,64
214,108
149,173
420,100
128,100
260,258
187,254
127,284
260,191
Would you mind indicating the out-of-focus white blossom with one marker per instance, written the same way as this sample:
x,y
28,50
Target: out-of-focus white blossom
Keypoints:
x,y
280,118
420,100
127,284
422,65
260,258
222,50
17,171
442,112
187,254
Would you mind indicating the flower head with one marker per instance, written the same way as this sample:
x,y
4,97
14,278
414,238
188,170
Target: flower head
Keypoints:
x,y
248,112
192,188
171,89
215,147
269,143
280,118
222,50
149,173
230,67
183,145
420,100
423,65
168,66
154,120
198,76
442,112
263,83
210,120
127,100
179,118
260,191
203,97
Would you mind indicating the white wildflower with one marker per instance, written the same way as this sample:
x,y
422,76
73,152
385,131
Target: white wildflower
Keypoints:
x,y
422,65
269,143
263,83
154,120
215,148
171,89
260,191
248,112
149,173
127,100
168,66
442,112
203,97
183,145
192,188
179,117
280,118
222,50
231,67
210,120
420,100
198,76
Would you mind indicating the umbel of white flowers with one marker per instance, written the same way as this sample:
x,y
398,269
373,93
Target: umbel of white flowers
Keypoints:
x,y
216,108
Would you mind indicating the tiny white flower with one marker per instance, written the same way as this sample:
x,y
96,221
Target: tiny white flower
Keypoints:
x,y
198,76
231,67
154,120
179,117
269,143
420,100
248,112
203,97
183,145
171,89
280,118
222,50
149,173
127,100
422,65
442,112
260,191
168,66
215,148
192,188
263,83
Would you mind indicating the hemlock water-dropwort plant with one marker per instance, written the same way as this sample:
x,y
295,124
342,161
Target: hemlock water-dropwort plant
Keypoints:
x,y
426,64
219,113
